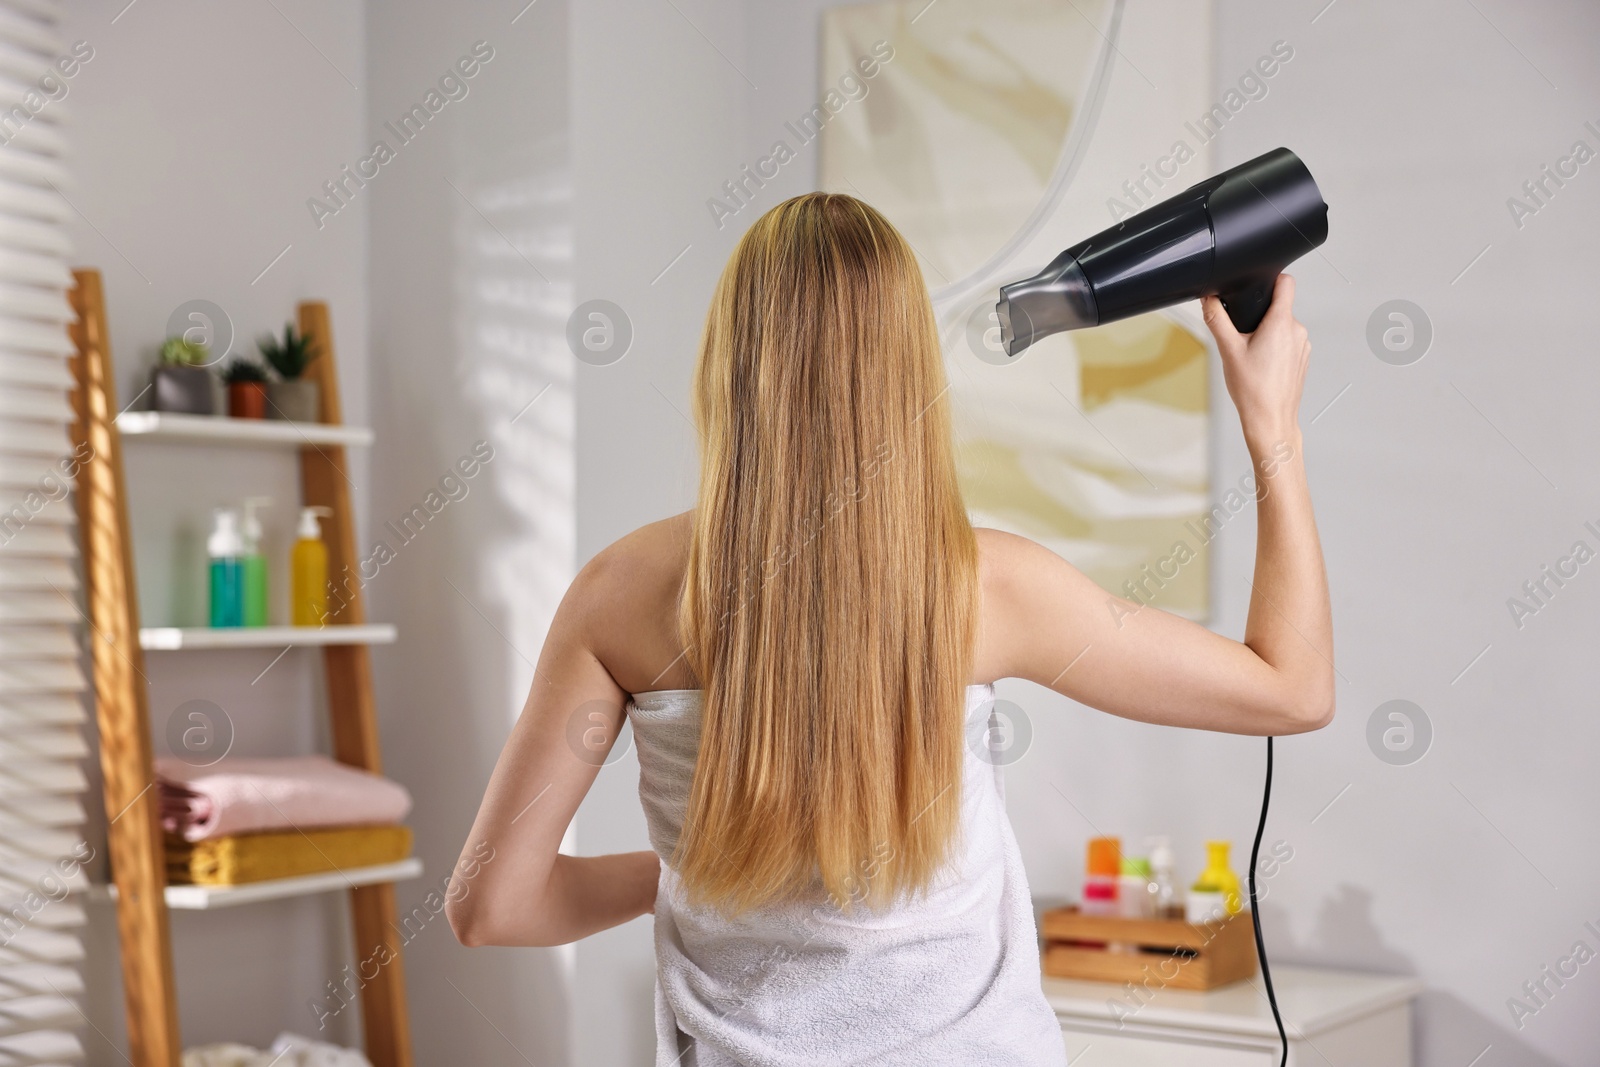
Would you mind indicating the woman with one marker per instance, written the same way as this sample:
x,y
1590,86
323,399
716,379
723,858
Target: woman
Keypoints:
x,y
805,656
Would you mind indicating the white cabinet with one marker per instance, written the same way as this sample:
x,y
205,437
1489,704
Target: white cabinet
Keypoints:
x,y
1333,1018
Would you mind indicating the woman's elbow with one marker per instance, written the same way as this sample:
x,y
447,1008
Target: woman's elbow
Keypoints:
x,y
466,923
477,925
1313,710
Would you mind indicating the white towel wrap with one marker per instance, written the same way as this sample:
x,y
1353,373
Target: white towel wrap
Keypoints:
x,y
950,978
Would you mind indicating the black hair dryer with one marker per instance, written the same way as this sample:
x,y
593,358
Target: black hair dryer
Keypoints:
x,y
1230,235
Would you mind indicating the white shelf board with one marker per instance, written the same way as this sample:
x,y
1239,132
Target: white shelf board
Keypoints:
x,y
220,429
210,897
173,638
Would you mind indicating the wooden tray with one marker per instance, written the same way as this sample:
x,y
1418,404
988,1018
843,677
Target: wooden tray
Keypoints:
x,y
1164,953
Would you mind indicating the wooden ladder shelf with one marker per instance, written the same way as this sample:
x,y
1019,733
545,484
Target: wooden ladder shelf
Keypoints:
x,y
134,839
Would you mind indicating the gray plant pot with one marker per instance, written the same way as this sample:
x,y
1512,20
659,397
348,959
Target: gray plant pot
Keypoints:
x,y
297,400
189,390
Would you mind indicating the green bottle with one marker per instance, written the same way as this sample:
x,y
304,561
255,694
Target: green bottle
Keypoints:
x,y
253,565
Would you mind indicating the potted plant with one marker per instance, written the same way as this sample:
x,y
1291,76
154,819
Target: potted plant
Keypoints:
x,y
182,381
247,388
292,396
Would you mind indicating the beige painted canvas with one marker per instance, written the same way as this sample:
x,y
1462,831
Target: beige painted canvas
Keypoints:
x,y
1093,443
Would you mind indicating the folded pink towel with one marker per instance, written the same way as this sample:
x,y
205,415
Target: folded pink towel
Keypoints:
x,y
236,796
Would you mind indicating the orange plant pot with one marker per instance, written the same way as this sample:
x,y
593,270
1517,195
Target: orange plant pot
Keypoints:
x,y
247,400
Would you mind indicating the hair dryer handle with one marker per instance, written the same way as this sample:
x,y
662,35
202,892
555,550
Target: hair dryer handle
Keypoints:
x,y
1247,302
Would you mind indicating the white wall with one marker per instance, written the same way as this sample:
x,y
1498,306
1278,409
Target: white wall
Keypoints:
x,y
1441,487
197,132
471,250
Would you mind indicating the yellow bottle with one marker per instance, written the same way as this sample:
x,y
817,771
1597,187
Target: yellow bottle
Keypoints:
x,y
1217,884
308,572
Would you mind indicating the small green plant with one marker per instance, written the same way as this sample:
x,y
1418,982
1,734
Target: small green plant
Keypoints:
x,y
289,357
243,369
179,352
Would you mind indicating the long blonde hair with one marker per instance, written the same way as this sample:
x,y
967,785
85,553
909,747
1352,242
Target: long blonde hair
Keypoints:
x,y
829,605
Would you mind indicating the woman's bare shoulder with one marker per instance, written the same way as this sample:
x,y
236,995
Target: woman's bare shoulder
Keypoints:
x,y
651,551
627,597
1010,567
1004,558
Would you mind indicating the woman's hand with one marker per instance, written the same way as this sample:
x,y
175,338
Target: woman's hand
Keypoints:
x,y
1266,370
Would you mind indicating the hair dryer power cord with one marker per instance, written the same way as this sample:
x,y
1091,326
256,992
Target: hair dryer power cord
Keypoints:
x,y
1255,912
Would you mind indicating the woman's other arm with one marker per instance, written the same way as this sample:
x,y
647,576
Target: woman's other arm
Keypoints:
x,y
512,886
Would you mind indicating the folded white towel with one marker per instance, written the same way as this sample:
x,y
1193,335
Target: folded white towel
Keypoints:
x,y
288,1050
950,979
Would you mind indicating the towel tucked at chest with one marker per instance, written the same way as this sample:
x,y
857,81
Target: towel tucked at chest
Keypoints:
x,y
946,978
236,796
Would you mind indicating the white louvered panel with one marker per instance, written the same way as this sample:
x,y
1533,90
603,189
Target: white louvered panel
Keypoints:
x,y
41,675
18,785
42,714
22,444
38,138
44,742
45,305
16,86
57,856
32,235
37,945
40,978
42,10
21,59
35,642
41,539
32,369
48,903
25,334
23,572
32,609
30,168
38,869
49,508
25,404
31,26
64,877
20,573
27,268
41,809
59,841
41,1048
37,1012
35,202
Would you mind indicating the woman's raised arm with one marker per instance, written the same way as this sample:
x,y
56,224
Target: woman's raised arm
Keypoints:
x,y
1047,622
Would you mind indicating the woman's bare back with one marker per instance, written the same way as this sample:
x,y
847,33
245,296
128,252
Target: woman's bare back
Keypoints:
x,y
642,578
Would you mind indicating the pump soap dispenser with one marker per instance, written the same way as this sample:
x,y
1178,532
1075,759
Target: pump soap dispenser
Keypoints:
x,y
1215,894
254,564
225,551
308,567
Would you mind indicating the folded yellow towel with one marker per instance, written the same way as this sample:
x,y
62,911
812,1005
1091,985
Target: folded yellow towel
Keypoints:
x,y
238,858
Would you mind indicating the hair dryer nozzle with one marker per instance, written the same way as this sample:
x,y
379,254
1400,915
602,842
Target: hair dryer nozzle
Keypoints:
x,y
1057,298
